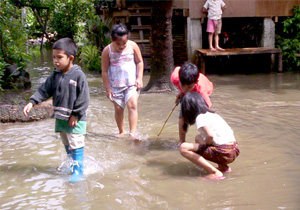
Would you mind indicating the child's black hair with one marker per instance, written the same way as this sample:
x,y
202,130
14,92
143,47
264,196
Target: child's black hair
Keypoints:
x,y
67,45
118,30
188,73
193,104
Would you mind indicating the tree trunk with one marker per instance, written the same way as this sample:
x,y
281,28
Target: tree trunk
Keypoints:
x,y
161,41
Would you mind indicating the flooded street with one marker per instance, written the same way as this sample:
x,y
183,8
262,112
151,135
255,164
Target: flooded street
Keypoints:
x,y
262,109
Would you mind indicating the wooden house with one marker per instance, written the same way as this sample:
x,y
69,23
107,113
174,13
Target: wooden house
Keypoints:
x,y
189,20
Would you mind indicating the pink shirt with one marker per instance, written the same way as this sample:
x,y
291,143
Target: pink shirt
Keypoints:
x,y
204,86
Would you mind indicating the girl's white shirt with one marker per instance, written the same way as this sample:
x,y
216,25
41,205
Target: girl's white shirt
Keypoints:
x,y
222,132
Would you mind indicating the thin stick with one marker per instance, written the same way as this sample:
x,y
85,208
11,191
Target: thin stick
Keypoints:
x,y
166,120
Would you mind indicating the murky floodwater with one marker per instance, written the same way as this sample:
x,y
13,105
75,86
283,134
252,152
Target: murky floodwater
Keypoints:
x,y
263,110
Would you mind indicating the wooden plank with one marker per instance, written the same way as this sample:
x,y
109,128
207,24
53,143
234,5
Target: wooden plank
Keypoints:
x,y
142,41
142,14
143,27
140,8
202,53
123,13
240,51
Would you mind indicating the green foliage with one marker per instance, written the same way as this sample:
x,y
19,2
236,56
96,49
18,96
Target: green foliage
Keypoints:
x,y
99,31
67,14
2,65
13,38
90,57
289,40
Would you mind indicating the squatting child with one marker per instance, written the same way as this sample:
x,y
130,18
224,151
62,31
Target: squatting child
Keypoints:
x,y
122,74
216,141
214,22
68,87
187,78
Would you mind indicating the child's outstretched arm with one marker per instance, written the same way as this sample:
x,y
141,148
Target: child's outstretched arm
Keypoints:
x,y
43,93
104,72
138,58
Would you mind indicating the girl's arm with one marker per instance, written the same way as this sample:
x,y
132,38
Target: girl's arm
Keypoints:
x,y
208,134
104,72
139,65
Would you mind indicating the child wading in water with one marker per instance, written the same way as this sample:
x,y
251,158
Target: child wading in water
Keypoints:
x,y
68,87
216,141
122,74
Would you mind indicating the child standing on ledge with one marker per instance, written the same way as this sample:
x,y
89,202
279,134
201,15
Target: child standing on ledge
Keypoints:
x,y
214,22
122,74
216,141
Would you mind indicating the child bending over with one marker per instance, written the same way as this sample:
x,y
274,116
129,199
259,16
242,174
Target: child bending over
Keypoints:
x,y
188,79
216,141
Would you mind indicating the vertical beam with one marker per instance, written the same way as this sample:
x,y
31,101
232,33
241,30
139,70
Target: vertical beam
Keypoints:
x,y
194,38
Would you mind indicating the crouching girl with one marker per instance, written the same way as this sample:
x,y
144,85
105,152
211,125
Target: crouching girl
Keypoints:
x,y
215,141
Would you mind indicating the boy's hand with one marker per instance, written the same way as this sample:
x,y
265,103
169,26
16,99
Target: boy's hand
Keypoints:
x,y
179,96
73,121
27,109
139,83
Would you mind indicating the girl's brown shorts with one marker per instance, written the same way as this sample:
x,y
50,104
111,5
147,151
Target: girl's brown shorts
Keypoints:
x,y
222,154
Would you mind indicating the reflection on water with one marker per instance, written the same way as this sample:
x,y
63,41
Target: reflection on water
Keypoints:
x,y
263,110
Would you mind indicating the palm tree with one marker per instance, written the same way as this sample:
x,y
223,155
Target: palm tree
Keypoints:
x,y
162,62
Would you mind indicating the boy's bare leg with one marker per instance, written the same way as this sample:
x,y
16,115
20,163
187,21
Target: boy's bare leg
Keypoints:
x,y
210,42
188,150
217,43
132,106
119,117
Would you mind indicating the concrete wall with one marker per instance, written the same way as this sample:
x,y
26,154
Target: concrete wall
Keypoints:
x,y
248,8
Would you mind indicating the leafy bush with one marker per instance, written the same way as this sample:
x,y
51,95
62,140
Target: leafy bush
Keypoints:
x,y
99,31
90,57
13,38
289,40
67,14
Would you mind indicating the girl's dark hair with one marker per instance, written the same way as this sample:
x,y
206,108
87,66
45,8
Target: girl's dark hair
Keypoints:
x,y
67,45
118,30
188,73
193,104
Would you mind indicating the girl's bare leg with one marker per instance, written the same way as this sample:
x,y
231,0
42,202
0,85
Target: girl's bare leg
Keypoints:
x,y
188,150
217,43
210,42
132,106
119,117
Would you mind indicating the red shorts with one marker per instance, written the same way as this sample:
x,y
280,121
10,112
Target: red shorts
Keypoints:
x,y
222,154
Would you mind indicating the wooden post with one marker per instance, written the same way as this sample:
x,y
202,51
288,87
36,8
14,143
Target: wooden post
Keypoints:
x,y
280,62
272,62
202,64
